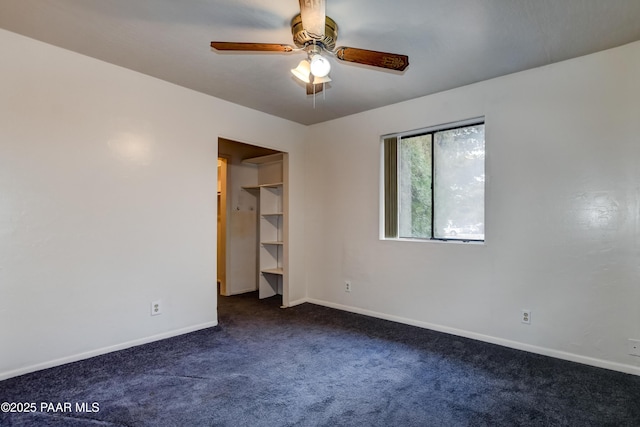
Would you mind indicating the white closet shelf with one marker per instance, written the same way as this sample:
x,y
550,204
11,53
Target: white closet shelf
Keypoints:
x,y
269,190
258,187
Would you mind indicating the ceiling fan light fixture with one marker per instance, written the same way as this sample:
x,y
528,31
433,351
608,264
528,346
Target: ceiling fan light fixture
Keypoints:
x,y
315,33
320,66
303,71
319,80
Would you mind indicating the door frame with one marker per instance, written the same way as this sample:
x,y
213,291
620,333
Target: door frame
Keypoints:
x,y
222,261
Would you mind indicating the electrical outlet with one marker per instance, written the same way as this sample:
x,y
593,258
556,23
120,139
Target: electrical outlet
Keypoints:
x,y
634,347
526,316
347,286
156,308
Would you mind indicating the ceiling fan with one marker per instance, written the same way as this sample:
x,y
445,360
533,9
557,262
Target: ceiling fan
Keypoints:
x,y
315,33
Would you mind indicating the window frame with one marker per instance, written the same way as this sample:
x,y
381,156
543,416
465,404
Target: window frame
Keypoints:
x,y
389,224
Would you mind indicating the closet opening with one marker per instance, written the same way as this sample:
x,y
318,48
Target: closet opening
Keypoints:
x,y
252,221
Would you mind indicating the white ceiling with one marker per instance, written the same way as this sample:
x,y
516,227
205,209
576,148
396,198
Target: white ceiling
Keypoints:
x,y
450,43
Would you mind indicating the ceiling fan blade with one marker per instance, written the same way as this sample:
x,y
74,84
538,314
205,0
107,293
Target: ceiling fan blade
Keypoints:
x,y
313,14
392,61
311,90
252,47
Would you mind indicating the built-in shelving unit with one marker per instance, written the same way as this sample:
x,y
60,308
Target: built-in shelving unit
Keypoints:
x,y
271,239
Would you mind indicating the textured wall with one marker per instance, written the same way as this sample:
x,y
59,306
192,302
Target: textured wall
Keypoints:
x,y
562,214
108,202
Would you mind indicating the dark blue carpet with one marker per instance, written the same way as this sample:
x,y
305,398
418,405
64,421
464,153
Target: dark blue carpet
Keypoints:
x,y
314,366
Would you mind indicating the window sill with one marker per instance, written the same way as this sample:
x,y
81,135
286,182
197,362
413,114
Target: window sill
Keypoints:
x,y
454,241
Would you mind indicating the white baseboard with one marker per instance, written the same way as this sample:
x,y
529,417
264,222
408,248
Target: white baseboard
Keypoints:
x,y
240,292
104,350
599,363
298,302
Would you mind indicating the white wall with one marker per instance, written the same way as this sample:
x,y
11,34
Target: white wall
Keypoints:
x,y
107,202
562,214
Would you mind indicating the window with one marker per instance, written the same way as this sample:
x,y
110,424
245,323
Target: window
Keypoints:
x,y
434,184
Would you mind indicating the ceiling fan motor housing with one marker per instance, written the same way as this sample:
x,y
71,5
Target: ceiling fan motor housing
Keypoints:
x,y
302,38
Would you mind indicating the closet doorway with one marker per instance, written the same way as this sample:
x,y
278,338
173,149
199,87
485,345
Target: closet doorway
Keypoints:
x,y
238,244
